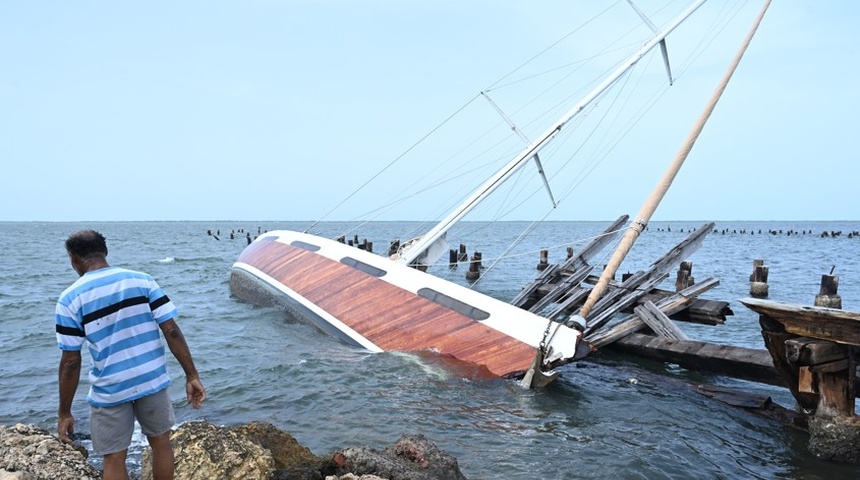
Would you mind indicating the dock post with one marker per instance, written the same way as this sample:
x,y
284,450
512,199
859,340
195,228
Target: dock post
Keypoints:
x,y
452,258
758,280
544,260
463,255
474,267
827,296
569,253
684,278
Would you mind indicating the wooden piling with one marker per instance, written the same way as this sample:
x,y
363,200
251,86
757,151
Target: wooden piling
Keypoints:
x,y
544,260
827,296
463,255
684,277
758,279
474,267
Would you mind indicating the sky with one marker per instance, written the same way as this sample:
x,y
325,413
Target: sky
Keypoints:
x,y
278,110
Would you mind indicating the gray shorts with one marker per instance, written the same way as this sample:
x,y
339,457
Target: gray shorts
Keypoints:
x,y
111,428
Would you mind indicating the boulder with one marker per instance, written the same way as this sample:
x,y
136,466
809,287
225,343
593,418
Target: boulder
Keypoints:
x,y
28,452
292,460
413,457
204,451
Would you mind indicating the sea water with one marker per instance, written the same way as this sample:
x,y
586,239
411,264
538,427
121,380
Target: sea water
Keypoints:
x,y
613,417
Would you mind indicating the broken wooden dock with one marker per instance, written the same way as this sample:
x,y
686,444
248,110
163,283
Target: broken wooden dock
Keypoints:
x,y
812,351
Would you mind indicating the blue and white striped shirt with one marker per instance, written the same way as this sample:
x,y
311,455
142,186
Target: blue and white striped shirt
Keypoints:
x,y
117,311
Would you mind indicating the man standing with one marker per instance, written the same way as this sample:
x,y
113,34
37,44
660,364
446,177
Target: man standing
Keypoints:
x,y
119,313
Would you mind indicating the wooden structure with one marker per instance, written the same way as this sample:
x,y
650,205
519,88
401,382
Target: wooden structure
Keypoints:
x,y
815,350
559,290
812,347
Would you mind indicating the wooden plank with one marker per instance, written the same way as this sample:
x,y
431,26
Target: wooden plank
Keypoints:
x,y
660,324
809,351
736,362
627,294
568,285
576,263
585,255
830,324
669,305
734,397
525,297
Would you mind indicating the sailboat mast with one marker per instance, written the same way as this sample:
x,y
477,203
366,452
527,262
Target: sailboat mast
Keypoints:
x,y
417,249
641,220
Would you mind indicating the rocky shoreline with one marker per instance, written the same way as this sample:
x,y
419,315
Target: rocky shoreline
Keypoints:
x,y
256,451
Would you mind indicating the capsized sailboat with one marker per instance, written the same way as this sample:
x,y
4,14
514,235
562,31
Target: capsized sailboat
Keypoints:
x,y
388,304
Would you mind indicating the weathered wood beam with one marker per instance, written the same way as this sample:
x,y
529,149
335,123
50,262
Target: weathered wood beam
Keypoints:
x,y
659,323
736,362
525,299
562,288
668,306
658,269
822,323
624,297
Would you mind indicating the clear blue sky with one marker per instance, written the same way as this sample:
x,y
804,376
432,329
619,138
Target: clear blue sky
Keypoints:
x,y
275,110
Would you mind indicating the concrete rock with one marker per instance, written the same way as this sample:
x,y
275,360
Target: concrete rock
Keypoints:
x,y
28,452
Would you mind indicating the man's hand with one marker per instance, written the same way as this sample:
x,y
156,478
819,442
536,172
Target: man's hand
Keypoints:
x,y
66,427
195,392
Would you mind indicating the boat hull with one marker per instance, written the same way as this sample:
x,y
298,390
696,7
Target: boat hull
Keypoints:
x,y
381,305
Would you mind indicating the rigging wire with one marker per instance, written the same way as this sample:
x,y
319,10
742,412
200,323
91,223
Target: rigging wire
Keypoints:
x,y
396,159
590,167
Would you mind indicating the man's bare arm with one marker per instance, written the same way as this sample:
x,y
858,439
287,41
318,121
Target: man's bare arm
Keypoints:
x,y
194,390
69,376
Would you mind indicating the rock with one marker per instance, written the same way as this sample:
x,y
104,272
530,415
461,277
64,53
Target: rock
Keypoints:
x,y
413,457
292,460
203,451
257,451
28,452
835,439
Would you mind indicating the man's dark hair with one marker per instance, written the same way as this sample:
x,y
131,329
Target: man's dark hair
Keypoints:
x,y
86,244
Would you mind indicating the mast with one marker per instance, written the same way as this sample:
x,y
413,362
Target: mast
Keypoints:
x,y
417,249
641,220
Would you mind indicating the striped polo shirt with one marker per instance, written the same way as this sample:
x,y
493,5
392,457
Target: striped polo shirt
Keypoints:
x,y
117,311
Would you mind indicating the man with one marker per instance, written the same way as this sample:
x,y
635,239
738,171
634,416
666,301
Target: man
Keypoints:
x,y
119,313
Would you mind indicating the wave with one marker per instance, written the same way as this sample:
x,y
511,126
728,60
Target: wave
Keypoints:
x,y
191,259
